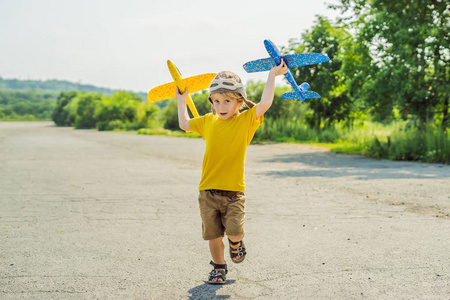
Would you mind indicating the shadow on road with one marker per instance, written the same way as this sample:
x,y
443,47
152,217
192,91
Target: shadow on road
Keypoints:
x,y
208,291
339,165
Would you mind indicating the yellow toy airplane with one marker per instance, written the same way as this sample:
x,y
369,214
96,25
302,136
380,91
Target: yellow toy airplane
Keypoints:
x,y
194,84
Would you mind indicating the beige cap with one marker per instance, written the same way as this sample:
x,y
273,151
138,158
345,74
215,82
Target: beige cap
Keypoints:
x,y
227,82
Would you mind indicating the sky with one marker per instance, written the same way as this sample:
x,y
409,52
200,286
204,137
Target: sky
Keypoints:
x,y
126,44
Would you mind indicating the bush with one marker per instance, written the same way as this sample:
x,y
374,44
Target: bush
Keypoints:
x,y
87,103
146,115
170,115
60,114
282,130
112,125
427,145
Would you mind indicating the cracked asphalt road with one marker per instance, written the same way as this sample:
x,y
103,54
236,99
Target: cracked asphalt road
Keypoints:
x,y
102,215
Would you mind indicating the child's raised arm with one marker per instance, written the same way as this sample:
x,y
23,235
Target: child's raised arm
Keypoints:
x,y
183,116
269,89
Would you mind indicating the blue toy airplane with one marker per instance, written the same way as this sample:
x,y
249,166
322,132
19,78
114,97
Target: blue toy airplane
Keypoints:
x,y
292,61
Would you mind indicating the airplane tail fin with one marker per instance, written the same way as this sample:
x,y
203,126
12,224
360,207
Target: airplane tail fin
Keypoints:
x,y
303,95
304,86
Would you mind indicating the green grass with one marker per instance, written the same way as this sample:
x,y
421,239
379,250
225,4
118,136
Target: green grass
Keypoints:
x,y
429,144
166,132
348,148
395,141
27,118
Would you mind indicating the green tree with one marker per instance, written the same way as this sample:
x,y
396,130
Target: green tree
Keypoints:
x,y
8,111
146,114
170,112
118,111
201,102
60,114
280,108
27,105
325,78
85,113
170,115
409,45
71,108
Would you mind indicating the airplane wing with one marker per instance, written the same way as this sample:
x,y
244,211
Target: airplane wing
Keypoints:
x,y
193,84
162,92
304,95
304,59
259,65
292,61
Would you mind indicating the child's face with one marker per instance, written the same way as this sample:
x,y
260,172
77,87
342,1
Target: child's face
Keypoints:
x,y
225,107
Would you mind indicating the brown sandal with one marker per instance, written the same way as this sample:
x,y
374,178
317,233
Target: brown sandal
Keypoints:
x,y
218,273
241,251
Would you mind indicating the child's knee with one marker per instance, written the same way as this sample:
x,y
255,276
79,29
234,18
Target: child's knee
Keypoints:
x,y
236,238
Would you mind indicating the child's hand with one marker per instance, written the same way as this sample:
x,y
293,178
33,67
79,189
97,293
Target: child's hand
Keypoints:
x,y
281,69
183,96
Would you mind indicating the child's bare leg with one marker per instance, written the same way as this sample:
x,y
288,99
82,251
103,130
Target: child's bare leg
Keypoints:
x,y
235,239
217,247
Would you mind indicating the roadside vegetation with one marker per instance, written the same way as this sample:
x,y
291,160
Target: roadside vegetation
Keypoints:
x,y
26,105
385,91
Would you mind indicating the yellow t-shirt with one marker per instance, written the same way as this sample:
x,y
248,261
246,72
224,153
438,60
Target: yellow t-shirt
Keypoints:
x,y
226,146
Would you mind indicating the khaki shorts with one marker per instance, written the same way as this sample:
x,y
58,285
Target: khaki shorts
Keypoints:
x,y
221,211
